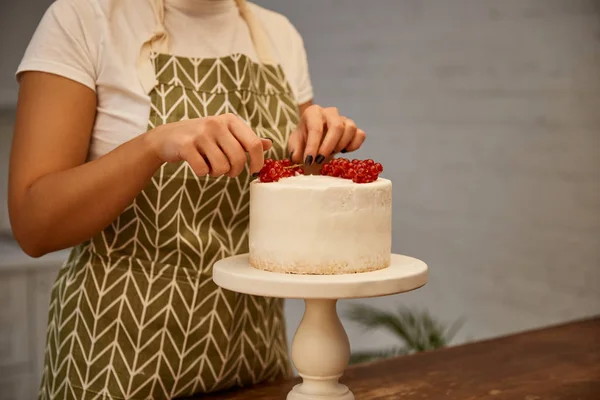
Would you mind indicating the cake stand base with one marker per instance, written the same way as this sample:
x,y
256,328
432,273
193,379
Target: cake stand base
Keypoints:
x,y
320,348
320,352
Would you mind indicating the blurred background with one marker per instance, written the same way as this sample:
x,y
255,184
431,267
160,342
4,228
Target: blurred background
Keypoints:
x,y
486,117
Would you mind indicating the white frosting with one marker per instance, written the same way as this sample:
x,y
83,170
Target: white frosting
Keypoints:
x,y
320,224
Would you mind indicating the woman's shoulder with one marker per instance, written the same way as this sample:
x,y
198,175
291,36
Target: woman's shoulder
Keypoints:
x,y
71,37
100,12
289,48
69,11
275,22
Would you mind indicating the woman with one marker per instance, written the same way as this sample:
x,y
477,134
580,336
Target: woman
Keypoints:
x,y
150,203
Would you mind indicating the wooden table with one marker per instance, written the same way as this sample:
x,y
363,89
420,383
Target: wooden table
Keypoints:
x,y
556,363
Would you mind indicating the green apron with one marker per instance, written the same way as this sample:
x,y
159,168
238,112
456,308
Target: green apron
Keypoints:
x,y
134,313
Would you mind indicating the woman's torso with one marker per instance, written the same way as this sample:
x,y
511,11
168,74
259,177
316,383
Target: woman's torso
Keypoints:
x,y
137,302
105,38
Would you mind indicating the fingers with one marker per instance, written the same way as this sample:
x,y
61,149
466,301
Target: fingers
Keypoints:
x,y
313,121
214,145
336,126
321,133
357,141
349,133
267,144
219,164
253,145
296,144
234,152
195,160
225,140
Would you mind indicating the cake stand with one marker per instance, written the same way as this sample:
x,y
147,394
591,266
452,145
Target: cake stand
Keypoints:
x,y
320,349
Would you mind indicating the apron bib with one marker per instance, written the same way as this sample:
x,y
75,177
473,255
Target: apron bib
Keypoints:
x,y
134,313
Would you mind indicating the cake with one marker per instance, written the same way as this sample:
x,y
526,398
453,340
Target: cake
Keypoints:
x,y
320,224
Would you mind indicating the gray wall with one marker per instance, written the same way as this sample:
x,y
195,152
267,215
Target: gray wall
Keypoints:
x,y
485,116
6,124
18,20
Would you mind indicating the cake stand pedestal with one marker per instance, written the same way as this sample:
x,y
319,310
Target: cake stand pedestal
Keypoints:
x,y
320,349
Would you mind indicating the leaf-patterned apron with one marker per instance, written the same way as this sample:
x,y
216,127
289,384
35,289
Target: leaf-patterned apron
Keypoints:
x,y
134,313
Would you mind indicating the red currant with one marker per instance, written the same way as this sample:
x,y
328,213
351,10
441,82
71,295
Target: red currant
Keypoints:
x,y
359,171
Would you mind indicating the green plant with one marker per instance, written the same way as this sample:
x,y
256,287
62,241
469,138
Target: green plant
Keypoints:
x,y
417,331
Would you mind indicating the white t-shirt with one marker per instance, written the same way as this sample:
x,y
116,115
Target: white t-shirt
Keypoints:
x,y
97,43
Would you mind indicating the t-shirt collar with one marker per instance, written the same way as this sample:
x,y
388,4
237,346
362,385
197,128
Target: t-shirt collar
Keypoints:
x,y
202,6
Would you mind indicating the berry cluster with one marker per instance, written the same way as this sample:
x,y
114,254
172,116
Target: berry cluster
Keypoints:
x,y
360,171
274,170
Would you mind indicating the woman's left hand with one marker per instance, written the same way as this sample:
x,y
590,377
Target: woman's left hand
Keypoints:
x,y
321,133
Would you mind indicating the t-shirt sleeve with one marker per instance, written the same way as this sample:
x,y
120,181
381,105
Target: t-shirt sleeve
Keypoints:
x,y
303,84
65,43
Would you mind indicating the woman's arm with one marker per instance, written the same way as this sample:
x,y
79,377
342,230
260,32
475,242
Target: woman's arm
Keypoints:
x,y
56,200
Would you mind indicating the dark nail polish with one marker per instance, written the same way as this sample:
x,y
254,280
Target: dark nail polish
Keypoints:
x,y
309,160
255,175
291,154
320,158
269,139
344,151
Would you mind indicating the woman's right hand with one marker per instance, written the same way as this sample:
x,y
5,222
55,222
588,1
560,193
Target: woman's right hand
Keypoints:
x,y
214,146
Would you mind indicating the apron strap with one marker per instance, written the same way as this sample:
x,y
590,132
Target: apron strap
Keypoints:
x,y
259,37
159,42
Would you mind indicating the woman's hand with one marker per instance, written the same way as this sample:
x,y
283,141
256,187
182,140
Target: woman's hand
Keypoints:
x,y
212,146
321,133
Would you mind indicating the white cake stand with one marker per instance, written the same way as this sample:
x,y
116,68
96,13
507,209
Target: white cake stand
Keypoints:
x,y
320,349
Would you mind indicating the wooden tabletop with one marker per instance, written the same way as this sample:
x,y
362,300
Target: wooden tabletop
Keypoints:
x,y
556,363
